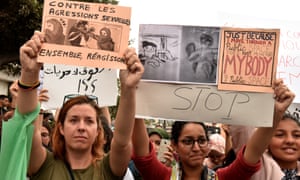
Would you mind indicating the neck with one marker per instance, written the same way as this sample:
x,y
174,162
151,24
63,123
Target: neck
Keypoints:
x,y
79,159
287,165
191,173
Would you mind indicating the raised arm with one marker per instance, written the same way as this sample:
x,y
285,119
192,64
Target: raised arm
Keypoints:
x,y
140,138
260,139
121,150
27,100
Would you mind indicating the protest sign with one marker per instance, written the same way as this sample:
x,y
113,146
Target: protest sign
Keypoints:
x,y
248,59
64,82
181,74
85,34
191,102
288,67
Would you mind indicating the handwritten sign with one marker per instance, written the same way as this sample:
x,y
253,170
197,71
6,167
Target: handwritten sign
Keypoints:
x,y
204,103
288,67
64,82
248,59
85,34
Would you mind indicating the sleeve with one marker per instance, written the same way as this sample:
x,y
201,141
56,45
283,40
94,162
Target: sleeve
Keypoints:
x,y
239,168
16,145
150,168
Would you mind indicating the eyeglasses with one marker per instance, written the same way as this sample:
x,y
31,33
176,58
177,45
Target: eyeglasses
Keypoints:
x,y
202,142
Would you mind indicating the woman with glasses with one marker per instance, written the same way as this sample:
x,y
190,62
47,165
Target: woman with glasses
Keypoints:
x,y
190,141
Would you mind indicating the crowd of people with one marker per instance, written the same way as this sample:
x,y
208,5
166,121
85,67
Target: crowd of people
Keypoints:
x,y
79,142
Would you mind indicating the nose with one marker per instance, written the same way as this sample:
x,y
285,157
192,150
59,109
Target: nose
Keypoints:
x,y
290,139
81,126
195,146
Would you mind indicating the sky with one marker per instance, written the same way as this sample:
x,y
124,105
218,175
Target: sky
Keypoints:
x,y
205,13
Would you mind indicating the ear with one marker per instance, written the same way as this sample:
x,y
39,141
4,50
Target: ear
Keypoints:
x,y
61,129
174,146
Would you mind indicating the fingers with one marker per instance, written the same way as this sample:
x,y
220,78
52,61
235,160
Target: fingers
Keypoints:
x,y
282,92
31,47
132,61
43,95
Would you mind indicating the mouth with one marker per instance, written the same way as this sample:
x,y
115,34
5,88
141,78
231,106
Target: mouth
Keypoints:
x,y
80,138
289,150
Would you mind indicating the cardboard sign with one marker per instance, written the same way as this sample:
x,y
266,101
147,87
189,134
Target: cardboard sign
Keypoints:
x,y
248,59
85,34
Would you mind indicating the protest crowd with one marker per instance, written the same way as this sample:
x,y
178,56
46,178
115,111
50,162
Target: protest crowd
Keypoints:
x,y
81,140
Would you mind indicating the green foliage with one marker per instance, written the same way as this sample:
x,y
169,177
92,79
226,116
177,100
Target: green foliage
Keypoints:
x,y
18,20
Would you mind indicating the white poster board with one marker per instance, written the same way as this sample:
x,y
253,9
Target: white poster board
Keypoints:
x,y
64,82
204,103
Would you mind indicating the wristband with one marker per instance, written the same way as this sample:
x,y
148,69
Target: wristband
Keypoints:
x,y
28,87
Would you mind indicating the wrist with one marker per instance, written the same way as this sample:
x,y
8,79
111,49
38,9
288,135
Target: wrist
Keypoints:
x,y
30,86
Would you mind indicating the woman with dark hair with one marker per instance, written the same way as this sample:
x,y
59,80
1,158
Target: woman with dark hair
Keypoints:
x,y
190,141
281,161
78,136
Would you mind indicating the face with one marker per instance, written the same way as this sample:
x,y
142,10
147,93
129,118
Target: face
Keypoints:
x,y
45,136
80,128
285,143
149,51
103,33
192,155
216,157
154,138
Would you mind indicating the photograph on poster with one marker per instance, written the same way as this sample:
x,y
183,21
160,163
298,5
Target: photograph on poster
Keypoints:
x,y
179,54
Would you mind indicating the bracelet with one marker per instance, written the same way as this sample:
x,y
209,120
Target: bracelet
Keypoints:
x,y
28,87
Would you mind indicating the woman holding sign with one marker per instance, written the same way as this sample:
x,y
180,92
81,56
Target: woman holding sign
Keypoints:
x,y
78,135
190,141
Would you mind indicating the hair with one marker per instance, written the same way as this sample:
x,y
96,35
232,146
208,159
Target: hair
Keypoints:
x,y
47,125
107,30
188,46
160,132
179,125
108,133
83,23
288,115
58,140
206,38
148,43
2,96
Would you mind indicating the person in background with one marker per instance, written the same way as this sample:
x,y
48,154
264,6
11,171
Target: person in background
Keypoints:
x,y
216,154
190,141
155,136
4,104
78,135
46,133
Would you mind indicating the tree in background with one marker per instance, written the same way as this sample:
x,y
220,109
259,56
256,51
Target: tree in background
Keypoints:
x,y
18,20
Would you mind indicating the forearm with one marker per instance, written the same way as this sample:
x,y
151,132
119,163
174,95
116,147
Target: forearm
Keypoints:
x,y
27,99
257,144
124,122
140,139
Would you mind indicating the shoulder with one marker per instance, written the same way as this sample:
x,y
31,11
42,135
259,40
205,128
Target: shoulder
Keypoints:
x,y
51,168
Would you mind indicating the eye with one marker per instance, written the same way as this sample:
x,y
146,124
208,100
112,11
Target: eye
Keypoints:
x,y
201,141
89,121
73,120
296,135
187,141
